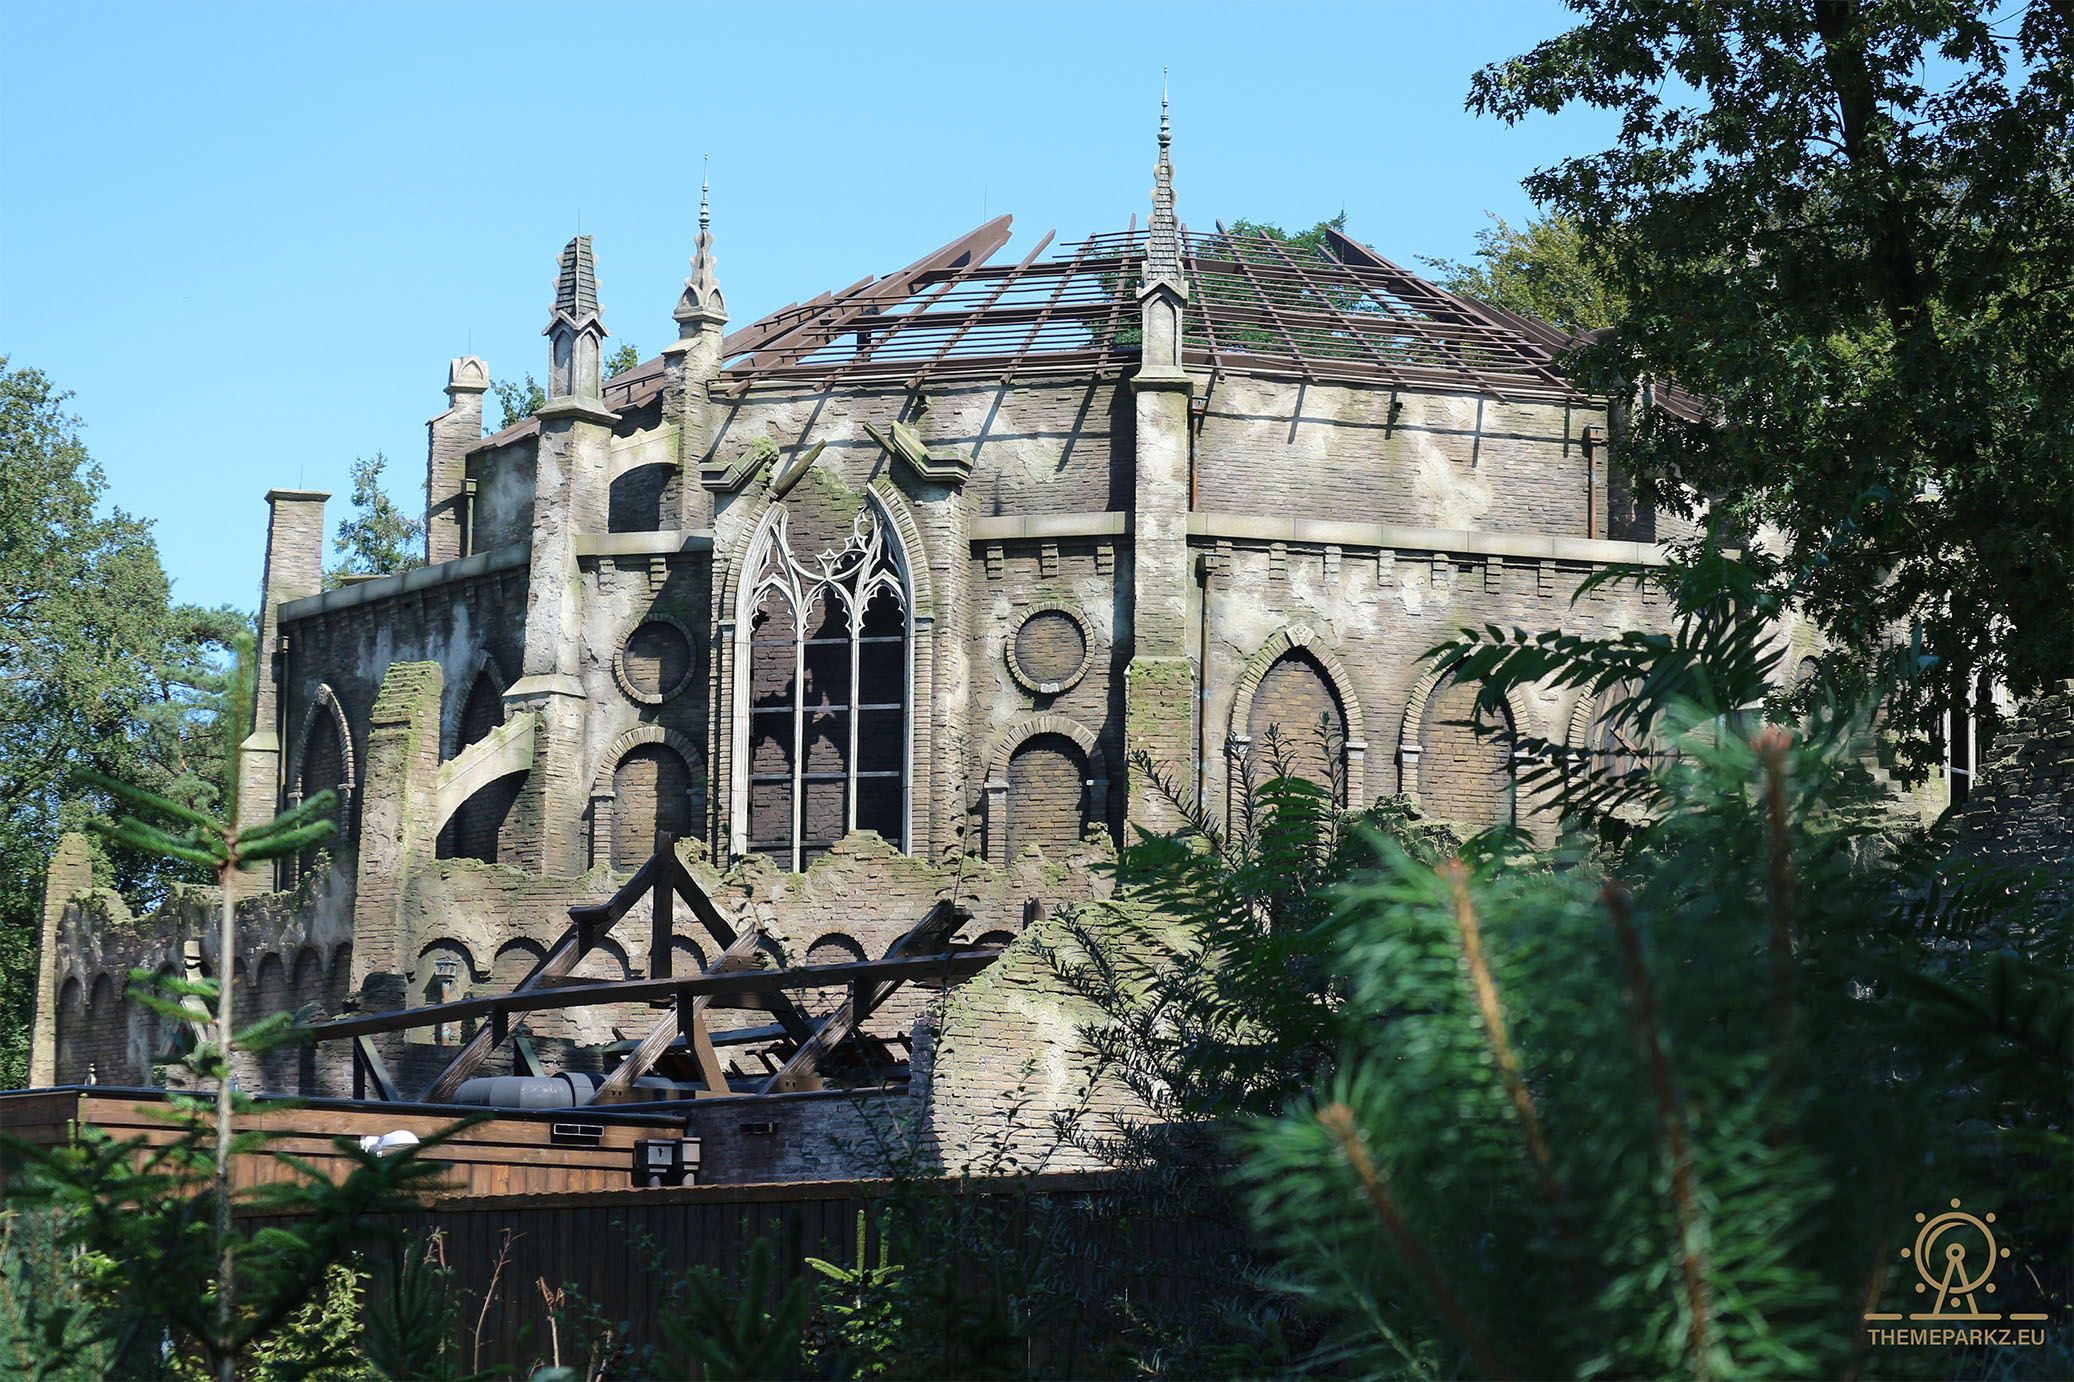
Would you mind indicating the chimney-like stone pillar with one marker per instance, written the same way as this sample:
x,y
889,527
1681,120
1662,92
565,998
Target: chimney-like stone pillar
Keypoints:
x,y
294,569
71,872
451,434
570,497
399,820
1159,697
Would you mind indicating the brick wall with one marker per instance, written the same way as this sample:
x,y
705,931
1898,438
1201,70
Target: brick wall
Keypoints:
x,y
1295,699
653,790
1462,778
1379,455
2021,809
1047,795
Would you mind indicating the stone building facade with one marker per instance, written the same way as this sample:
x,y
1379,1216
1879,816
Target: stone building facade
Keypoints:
x,y
874,601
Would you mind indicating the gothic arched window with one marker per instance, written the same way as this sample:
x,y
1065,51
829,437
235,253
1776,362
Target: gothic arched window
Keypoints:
x,y
824,672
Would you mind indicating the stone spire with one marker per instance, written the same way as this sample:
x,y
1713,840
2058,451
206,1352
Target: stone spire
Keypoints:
x,y
701,302
1163,237
576,331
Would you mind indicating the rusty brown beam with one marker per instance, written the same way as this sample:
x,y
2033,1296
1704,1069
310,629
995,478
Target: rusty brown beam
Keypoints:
x,y
726,988
568,952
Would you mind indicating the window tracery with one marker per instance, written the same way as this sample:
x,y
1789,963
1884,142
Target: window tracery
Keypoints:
x,y
827,673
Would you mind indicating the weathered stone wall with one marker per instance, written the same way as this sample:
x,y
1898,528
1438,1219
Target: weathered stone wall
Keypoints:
x,y
340,647
2021,809
1379,455
1369,614
295,953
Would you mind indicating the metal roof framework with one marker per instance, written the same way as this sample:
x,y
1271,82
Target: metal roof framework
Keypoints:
x,y
1338,313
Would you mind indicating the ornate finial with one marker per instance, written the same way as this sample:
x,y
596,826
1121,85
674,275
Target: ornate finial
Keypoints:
x,y
1165,136
1163,235
701,301
576,285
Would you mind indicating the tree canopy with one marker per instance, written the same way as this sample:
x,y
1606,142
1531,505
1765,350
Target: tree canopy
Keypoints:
x,y
1847,225
1542,270
379,539
99,669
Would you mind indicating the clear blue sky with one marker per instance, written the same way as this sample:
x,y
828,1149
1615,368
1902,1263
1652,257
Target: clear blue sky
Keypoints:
x,y
250,237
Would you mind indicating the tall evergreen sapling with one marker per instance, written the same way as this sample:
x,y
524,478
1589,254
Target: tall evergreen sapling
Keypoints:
x,y
162,1217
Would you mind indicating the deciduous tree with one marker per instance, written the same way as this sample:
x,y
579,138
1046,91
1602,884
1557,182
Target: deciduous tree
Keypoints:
x,y
1848,226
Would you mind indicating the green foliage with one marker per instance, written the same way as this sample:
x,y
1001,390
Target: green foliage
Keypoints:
x,y
1543,270
379,539
97,669
626,357
517,401
1304,242
322,1341
1847,226
410,1331
732,1337
1234,1013
1671,1110
864,1303
156,1219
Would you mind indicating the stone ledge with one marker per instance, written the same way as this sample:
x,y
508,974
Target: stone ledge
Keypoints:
x,y
1046,525
663,542
1324,533
388,587
1403,537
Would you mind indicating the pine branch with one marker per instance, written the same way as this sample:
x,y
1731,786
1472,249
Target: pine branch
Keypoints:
x,y
1692,1267
1338,1120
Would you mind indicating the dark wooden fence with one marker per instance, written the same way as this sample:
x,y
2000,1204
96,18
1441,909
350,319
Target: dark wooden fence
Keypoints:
x,y
620,1251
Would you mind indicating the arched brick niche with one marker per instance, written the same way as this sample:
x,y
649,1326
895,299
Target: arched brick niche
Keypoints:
x,y
652,781
324,760
1296,685
1445,765
477,824
73,1057
1047,781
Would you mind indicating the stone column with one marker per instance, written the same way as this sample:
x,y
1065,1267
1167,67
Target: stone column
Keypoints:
x,y
451,434
1159,695
399,816
294,570
71,872
569,498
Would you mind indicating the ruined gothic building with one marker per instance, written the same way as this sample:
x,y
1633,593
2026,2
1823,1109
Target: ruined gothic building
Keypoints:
x,y
870,603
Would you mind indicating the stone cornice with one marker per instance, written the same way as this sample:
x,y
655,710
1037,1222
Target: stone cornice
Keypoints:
x,y
388,587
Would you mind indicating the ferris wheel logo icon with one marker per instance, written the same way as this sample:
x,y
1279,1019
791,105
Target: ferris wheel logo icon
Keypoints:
x,y
1955,1253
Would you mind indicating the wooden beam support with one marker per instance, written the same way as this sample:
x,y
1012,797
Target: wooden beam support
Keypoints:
x,y
587,924
368,1065
659,923
620,1083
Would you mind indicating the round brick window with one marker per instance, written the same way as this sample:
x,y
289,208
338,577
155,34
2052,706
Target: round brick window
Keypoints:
x,y
1049,651
654,663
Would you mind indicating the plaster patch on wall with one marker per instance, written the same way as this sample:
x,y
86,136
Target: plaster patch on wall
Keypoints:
x,y
1449,495
1411,590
